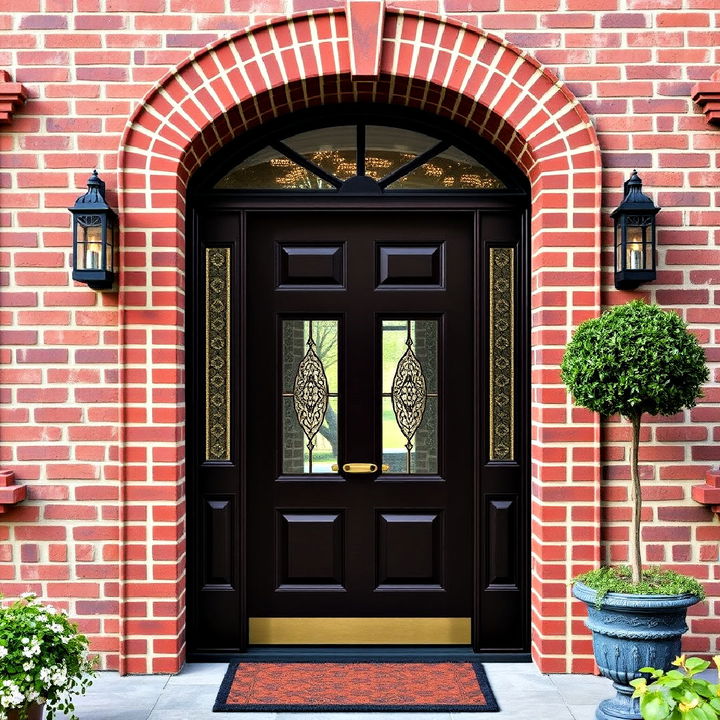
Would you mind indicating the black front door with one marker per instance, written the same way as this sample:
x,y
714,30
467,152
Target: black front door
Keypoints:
x,y
360,427
391,344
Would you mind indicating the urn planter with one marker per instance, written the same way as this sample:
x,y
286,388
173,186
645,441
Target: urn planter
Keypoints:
x,y
630,632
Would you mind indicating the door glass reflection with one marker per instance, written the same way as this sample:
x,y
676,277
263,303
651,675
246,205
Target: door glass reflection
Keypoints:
x,y
410,396
309,397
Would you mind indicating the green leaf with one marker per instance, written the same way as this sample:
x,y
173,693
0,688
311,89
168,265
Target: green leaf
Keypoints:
x,y
696,665
654,707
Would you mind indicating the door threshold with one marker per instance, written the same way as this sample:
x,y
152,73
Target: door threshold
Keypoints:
x,y
347,653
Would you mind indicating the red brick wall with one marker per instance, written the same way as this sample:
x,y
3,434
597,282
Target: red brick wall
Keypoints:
x,y
92,392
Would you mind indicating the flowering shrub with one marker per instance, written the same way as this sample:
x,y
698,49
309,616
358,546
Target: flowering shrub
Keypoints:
x,y
43,658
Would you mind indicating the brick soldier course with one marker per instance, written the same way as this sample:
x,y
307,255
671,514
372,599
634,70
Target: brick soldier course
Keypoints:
x,y
577,92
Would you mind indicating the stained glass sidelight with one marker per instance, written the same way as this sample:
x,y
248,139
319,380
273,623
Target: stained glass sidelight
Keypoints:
x,y
409,397
502,353
309,397
217,353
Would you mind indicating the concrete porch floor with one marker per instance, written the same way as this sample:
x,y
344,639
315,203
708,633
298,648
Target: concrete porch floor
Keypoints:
x,y
522,692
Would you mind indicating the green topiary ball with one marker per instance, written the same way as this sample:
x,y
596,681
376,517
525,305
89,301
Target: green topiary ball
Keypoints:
x,y
634,359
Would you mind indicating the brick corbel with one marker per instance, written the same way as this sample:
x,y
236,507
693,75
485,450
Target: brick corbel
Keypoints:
x,y
707,97
709,493
12,96
10,493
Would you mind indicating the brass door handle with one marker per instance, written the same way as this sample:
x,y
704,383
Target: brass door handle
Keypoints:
x,y
360,468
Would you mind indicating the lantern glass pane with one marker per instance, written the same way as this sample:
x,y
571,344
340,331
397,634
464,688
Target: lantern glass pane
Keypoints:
x,y
109,245
618,247
635,248
90,248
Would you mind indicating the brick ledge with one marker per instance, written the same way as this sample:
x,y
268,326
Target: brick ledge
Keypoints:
x,y
706,95
12,96
10,493
709,493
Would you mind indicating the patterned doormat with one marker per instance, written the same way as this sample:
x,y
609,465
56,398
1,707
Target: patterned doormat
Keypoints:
x,y
418,685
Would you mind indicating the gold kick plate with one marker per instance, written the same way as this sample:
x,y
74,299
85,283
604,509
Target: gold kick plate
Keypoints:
x,y
359,631
360,468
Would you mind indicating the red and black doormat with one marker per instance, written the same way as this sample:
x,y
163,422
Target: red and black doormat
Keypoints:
x,y
418,685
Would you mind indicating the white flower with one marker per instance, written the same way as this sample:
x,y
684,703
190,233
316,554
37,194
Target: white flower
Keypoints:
x,y
28,652
27,595
42,618
45,674
29,665
56,628
25,641
3,651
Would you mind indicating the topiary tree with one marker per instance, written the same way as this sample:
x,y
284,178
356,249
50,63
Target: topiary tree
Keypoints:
x,y
634,359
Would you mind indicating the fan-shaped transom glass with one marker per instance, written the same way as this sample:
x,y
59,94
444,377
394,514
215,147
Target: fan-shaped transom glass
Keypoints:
x,y
360,159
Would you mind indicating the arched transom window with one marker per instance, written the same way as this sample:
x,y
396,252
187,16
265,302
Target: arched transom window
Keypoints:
x,y
361,158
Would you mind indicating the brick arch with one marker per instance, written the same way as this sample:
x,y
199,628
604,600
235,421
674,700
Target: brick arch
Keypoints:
x,y
425,62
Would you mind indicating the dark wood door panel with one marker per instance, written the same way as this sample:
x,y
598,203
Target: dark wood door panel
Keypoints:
x,y
311,553
220,563
427,549
407,540
410,552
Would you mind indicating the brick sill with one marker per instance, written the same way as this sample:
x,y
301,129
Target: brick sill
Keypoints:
x,y
10,493
709,493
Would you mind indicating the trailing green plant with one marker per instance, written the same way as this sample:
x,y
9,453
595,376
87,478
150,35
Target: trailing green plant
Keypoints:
x,y
676,695
654,581
43,659
634,359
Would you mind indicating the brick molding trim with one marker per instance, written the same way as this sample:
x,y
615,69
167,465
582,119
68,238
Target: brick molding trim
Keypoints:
x,y
706,95
426,62
12,96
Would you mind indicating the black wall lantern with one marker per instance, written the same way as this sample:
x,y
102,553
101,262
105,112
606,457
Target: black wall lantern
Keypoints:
x,y
634,236
94,235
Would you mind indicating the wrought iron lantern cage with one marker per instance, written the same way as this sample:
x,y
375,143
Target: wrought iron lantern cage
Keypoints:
x,y
95,227
635,253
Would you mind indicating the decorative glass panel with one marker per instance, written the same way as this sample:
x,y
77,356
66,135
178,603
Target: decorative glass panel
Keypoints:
x,y
269,169
389,148
217,353
301,161
502,353
450,169
410,396
309,397
333,149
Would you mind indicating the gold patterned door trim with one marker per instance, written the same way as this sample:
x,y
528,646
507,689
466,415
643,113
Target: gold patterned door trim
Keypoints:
x,y
359,631
502,353
217,353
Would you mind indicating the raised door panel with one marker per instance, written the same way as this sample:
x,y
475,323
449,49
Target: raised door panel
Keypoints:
x,y
410,552
311,551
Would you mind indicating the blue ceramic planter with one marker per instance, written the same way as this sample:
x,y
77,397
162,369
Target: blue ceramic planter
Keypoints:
x,y
630,632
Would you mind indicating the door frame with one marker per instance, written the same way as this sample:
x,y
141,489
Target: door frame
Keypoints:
x,y
203,203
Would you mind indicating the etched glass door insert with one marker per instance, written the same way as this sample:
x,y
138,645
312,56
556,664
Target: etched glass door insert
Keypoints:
x,y
410,396
309,397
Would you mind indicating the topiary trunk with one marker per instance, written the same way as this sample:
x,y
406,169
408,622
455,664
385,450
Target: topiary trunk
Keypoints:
x,y
636,498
